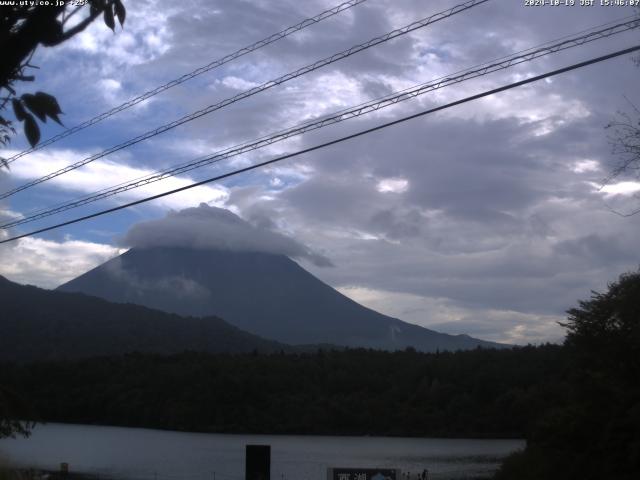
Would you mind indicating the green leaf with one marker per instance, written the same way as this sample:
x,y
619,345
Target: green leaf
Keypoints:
x,y
121,12
18,110
31,130
108,17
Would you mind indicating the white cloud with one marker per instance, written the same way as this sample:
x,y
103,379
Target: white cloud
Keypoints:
x,y
587,165
619,188
107,173
445,316
112,90
47,263
481,215
144,37
238,83
206,227
393,185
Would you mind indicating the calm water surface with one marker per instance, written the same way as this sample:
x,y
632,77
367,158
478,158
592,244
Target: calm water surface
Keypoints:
x,y
131,453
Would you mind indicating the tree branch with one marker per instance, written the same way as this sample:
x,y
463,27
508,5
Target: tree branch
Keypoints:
x,y
75,10
81,26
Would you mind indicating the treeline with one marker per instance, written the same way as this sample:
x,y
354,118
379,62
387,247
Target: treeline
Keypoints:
x,y
578,405
46,325
479,393
596,434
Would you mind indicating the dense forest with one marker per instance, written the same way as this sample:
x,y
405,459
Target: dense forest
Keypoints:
x,y
480,393
596,433
38,324
577,404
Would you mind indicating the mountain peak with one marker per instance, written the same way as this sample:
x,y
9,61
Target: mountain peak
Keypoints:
x,y
266,294
210,228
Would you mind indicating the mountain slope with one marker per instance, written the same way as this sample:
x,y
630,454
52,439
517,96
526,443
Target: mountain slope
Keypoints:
x,y
265,294
39,324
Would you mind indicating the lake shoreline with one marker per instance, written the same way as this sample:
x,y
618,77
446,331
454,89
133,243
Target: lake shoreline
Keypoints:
x,y
26,473
284,434
37,474
116,453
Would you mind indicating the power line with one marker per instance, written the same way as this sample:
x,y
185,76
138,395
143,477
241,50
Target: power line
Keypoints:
x,y
188,76
504,57
255,90
353,112
332,142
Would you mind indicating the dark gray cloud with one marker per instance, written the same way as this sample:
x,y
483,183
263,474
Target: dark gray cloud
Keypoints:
x,y
494,218
480,212
206,227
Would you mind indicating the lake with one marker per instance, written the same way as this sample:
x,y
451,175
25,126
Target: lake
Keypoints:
x,y
144,454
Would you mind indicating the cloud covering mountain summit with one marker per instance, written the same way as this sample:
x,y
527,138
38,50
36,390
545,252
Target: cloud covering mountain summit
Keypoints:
x,y
206,227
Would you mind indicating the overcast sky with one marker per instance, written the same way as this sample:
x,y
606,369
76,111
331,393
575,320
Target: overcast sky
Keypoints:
x,y
484,219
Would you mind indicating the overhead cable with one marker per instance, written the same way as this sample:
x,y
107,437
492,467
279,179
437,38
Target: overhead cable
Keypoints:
x,y
329,143
353,112
253,91
188,76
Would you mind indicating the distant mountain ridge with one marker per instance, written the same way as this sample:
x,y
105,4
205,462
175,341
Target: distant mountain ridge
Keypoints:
x,y
266,294
42,325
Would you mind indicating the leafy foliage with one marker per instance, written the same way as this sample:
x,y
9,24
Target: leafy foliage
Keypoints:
x,y
23,27
607,327
597,434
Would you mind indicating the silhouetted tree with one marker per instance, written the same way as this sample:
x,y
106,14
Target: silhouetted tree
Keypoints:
x,y
605,330
596,435
23,27
625,144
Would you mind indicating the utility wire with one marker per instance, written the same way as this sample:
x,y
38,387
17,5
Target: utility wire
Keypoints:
x,y
520,52
353,112
253,91
188,76
332,142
